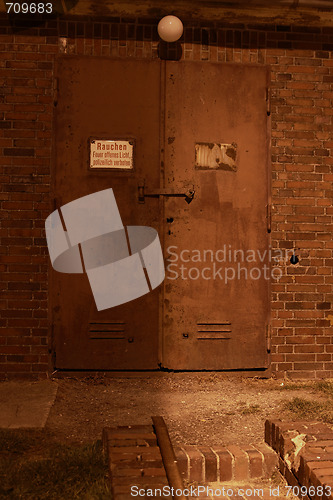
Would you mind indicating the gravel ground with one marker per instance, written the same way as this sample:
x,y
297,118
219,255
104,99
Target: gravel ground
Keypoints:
x,y
205,408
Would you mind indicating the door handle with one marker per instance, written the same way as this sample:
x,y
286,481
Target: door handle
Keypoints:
x,y
156,193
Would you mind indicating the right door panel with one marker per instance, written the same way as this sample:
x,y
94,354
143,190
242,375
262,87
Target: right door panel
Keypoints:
x,y
216,291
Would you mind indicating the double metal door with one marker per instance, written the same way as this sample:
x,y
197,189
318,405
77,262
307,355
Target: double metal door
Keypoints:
x,y
200,177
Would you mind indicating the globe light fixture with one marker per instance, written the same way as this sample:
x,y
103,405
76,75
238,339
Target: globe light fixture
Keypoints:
x,y
170,28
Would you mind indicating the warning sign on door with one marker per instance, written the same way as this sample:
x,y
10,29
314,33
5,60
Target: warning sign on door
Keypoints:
x,y
113,154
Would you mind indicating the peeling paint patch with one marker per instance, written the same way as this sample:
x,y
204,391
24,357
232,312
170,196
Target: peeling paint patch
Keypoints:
x,y
63,45
215,156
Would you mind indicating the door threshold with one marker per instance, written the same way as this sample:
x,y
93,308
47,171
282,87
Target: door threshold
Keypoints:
x,y
250,373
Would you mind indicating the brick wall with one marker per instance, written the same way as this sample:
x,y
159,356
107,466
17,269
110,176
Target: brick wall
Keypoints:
x,y
26,66
302,75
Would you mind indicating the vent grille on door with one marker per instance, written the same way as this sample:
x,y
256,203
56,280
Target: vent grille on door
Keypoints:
x,y
214,330
107,330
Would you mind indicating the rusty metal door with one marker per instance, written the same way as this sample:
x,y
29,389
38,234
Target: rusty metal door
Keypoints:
x,y
205,129
217,143
106,99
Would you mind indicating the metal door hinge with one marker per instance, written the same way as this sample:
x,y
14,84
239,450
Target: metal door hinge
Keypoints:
x,y
269,217
55,90
268,101
268,337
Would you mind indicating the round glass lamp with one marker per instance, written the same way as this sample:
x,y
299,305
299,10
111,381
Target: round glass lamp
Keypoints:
x,y
170,28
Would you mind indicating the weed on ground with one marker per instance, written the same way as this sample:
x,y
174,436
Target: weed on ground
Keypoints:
x,y
248,409
35,467
311,409
306,409
325,386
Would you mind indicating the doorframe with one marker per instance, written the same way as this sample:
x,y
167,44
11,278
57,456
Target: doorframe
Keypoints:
x,y
160,332
266,371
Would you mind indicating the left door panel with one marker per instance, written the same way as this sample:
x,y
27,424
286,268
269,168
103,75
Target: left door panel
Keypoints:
x,y
109,100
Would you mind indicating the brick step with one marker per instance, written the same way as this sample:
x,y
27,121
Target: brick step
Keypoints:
x,y
133,472
135,459
305,451
204,464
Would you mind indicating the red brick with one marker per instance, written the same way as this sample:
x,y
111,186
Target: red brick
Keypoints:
x,y
182,462
270,460
255,462
131,434
226,463
196,461
210,463
240,463
268,432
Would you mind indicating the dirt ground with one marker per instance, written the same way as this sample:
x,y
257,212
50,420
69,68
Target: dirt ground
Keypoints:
x,y
205,408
